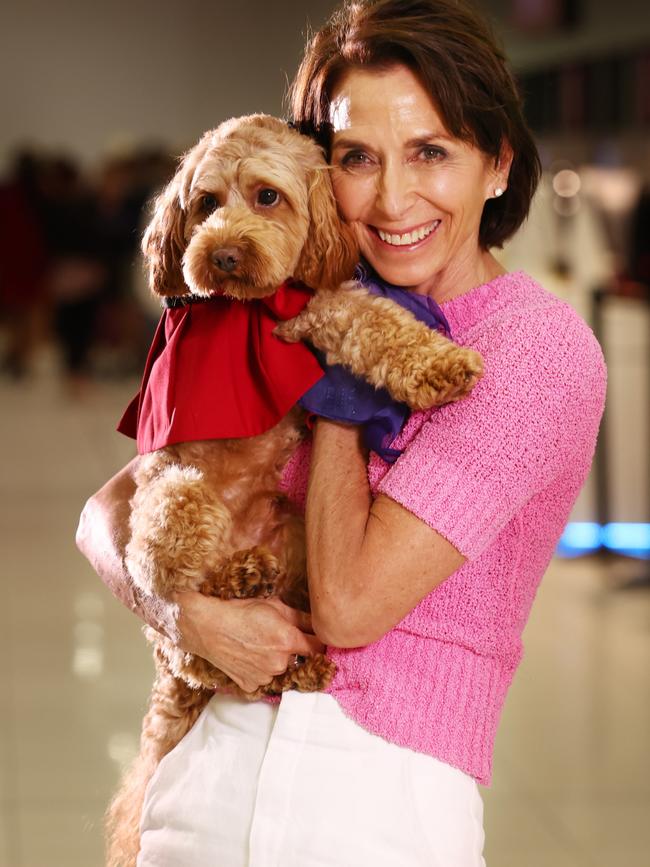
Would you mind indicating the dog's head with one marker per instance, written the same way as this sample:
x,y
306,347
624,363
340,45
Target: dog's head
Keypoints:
x,y
250,206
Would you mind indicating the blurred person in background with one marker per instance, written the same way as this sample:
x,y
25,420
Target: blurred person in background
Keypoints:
x,y
23,265
421,573
123,188
77,274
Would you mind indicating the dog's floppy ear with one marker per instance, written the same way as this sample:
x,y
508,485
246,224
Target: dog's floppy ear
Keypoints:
x,y
330,253
163,243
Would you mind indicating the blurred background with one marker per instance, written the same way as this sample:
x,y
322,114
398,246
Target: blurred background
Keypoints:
x,y
97,101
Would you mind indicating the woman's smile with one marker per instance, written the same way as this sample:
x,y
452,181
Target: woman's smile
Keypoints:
x,y
404,240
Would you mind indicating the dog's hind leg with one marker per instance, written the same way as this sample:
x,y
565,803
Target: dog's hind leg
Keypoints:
x,y
179,527
173,710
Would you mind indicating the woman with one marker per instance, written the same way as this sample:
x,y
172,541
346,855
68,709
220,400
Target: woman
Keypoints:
x,y
421,573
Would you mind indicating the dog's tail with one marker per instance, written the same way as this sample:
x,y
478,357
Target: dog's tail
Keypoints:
x,y
173,711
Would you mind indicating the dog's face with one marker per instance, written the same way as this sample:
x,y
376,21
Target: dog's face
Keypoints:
x,y
250,206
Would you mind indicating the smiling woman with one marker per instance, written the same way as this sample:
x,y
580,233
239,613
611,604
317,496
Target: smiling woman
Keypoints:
x,y
422,571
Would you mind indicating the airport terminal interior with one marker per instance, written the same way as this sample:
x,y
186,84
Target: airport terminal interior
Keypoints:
x,y
96,117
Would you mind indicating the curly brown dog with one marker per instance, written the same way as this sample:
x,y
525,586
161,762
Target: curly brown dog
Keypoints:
x,y
250,206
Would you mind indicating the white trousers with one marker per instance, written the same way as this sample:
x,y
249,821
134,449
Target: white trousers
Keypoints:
x,y
301,785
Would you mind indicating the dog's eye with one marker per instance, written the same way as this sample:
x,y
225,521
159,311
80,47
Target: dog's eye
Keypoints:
x,y
209,203
268,197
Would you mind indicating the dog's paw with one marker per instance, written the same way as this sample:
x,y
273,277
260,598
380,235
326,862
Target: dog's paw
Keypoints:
x,y
432,380
315,674
312,674
247,574
293,330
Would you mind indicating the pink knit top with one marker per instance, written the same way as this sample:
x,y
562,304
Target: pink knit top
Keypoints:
x,y
496,474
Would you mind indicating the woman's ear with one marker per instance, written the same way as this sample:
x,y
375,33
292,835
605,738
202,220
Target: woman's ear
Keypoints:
x,y
163,243
501,168
330,254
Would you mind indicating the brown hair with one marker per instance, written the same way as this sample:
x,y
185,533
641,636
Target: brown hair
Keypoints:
x,y
453,52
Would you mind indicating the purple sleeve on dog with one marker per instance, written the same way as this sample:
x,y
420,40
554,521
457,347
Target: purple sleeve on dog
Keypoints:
x,y
341,396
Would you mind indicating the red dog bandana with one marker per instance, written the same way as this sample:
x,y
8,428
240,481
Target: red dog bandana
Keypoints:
x,y
215,370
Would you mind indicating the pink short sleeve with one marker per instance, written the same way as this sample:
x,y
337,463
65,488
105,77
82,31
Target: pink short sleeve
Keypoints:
x,y
534,416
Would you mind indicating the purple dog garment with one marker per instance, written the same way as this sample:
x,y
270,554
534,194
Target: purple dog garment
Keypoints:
x,y
342,396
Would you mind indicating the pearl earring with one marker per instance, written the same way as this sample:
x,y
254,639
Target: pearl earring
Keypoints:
x,y
498,192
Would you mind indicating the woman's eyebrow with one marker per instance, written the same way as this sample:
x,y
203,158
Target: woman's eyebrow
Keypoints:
x,y
349,143
426,139
418,141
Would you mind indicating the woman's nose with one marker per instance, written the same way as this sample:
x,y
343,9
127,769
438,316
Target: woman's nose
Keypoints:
x,y
396,190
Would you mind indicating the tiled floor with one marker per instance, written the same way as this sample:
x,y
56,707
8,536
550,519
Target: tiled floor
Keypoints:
x,y
572,768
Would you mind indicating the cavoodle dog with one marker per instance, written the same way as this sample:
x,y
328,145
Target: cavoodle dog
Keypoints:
x,y
248,221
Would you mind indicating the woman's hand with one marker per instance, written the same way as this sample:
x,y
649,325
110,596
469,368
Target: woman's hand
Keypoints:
x,y
250,640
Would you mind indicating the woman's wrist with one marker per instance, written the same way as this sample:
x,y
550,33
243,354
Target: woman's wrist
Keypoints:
x,y
194,617
331,432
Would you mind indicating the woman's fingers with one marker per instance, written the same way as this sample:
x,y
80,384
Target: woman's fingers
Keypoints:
x,y
284,627
302,639
250,640
301,619
307,645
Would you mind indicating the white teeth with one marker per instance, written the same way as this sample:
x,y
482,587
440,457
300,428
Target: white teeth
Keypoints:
x,y
409,237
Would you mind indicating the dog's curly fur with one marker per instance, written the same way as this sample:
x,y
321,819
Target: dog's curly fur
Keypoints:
x,y
208,516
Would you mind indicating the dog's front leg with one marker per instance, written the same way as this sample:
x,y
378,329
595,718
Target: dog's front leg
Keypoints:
x,y
385,344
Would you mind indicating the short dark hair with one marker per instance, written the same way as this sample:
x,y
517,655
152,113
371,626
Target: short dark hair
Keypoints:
x,y
454,53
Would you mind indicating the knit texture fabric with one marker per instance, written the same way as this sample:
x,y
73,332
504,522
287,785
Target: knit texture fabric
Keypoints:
x,y
497,475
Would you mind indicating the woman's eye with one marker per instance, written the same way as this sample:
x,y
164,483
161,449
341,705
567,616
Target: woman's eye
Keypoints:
x,y
431,153
355,158
268,197
209,204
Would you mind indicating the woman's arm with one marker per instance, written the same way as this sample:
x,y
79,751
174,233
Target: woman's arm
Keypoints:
x,y
102,536
369,562
251,640
531,421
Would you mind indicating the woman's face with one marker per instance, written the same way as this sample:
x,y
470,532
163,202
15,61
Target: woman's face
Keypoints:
x,y
412,194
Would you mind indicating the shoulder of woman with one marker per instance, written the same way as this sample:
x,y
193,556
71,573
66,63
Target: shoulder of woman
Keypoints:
x,y
535,333
540,399
543,367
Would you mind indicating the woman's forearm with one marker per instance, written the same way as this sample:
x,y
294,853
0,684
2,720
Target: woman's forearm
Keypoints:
x,y
102,536
370,561
338,507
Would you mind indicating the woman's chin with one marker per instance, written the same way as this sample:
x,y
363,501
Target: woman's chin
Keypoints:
x,y
402,273
401,266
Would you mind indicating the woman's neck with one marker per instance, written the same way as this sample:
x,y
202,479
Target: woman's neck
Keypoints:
x,y
461,276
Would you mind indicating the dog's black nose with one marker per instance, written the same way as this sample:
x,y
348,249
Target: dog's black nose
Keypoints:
x,y
226,258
